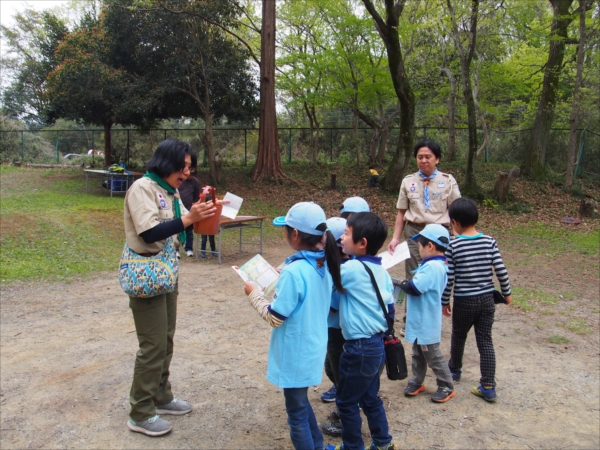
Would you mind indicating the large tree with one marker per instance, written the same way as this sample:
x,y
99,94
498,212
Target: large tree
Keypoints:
x,y
534,164
465,54
388,30
30,56
190,66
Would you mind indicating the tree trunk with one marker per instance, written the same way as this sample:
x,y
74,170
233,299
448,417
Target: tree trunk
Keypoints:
x,y
388,31
574,119
356,141
268,157
502,186
466,56
385,132
451,110
208,140
107,143
376,133
534,163
313,123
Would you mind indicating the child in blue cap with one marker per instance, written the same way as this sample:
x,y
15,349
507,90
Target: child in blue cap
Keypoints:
x,y
363,326
424,314
335,339
298,315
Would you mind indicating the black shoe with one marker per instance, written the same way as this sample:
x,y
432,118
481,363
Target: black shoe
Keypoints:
x,y
333,429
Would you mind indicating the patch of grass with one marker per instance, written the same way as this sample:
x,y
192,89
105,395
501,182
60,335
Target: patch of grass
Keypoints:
x,y
578,326
546,312
558,340
52,230
596,311
527,300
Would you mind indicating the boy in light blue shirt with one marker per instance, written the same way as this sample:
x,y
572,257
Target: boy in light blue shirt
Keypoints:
x,y
363,326
424,314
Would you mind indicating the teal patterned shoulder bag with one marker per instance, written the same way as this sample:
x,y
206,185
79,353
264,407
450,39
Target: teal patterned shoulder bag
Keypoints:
x,y
142,276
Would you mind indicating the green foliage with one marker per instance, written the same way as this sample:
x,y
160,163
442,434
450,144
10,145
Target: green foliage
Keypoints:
x,y
490,203
556,339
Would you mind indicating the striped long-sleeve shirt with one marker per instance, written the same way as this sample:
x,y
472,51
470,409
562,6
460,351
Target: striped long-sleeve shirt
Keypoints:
x,y
470,262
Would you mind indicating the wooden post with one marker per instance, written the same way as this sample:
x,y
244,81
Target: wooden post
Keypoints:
x,y
333,181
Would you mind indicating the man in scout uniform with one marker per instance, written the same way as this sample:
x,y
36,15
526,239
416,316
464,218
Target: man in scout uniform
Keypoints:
x,y
424,199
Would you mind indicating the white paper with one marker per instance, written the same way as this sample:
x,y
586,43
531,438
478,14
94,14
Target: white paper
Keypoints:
x,y
401,253
232,208
260,272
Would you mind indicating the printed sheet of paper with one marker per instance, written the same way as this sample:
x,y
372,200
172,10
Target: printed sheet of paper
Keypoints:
x,y
233,207
401,253
260,272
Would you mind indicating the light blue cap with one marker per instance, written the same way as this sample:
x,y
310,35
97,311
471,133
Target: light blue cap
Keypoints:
x,y
303,216
355,205
434,232
337,226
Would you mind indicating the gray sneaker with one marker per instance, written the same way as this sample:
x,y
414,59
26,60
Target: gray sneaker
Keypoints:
x,y
176,408
333,429
154,426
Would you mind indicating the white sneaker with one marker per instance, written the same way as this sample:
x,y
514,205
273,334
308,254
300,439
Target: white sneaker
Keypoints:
x,y
189,253
178,255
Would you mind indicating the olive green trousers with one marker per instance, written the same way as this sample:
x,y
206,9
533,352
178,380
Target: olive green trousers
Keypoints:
x,y
154,320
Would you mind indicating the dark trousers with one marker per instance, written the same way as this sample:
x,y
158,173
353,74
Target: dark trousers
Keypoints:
x,y
335,347
373,181
211,240
189,238
154,319
478,312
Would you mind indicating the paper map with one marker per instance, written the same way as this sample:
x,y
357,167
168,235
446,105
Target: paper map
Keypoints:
x,y
260,272
400,254
232,208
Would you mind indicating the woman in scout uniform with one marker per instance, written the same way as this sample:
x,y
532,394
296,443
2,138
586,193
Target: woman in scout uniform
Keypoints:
x,y
152,213
424,199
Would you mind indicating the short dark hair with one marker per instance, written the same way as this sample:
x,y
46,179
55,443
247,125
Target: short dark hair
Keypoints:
x,y
431,145
464,211
424,241
169,157
370,226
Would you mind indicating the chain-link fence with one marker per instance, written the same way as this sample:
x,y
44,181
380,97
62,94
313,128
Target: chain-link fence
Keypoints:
x,y
237,146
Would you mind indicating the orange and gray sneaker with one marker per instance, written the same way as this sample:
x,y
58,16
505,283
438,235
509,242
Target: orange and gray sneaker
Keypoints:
x,y
443,394
413,389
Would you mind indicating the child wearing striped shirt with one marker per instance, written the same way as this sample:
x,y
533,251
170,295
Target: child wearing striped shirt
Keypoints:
x,y
471,258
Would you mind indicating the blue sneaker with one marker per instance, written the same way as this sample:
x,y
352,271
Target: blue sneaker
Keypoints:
x,y
489,394
329,396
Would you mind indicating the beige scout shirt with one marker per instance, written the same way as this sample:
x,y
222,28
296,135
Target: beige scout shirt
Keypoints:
x,y
147,205
443,190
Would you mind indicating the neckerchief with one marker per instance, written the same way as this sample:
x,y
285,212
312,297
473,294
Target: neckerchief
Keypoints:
x,y
316,259
171,191
426,183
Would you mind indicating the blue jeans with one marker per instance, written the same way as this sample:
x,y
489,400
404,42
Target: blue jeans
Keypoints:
x,y
304,430
359,383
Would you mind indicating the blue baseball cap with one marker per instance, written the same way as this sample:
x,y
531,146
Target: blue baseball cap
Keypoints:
x,y
355,205
337,226
303,216
434,232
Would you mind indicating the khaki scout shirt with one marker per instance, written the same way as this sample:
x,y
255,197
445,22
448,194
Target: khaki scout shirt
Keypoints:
x,y
443,190
147,205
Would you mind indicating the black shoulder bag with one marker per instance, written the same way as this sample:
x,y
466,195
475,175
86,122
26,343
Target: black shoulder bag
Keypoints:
x,y
395,360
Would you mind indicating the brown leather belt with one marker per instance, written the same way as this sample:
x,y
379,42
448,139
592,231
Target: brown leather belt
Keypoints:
x,y
148,255
416,223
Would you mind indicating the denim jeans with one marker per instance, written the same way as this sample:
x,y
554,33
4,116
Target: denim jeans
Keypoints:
x,y
360,364
304,430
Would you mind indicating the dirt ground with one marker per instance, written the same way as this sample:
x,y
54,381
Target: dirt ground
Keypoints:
x,y
68,349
